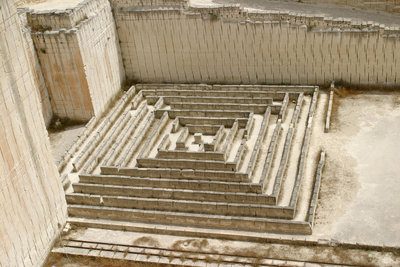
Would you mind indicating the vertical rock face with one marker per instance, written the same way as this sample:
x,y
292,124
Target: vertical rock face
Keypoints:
x,y
80,57
229,44
32,204
34,64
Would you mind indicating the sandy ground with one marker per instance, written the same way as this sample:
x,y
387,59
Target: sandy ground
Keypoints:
x,y
311,8
361,184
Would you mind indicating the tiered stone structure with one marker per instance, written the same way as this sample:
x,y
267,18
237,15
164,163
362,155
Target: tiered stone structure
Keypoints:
x,y
70,63
32,203
232,177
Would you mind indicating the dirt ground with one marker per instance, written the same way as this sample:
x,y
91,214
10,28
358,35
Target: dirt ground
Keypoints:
x,y
360,189
61,141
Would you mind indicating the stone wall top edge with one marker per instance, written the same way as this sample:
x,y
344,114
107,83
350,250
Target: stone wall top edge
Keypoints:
x,y
68,20
66,11
65,18
237,13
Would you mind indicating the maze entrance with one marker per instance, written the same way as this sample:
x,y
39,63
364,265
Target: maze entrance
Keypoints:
x,y
221,156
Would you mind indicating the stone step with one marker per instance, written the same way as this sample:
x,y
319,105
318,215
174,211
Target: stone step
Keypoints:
x,y
200,185
207,113
177,205
256,108
204,99
243,87
186,164
203,128
214,93
277,89
192,219
172,193
175,173
196,155
227,122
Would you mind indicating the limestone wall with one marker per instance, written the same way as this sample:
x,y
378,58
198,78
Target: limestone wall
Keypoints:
x,y
170,45
32,204
47,110
79,55
61,62
101,55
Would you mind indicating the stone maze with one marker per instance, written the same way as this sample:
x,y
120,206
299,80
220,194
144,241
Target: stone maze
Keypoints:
x,y
216,156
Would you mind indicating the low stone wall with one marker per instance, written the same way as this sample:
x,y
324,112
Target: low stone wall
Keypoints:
x,y
216,140
240,191
304,151
259,140
136,141
329,111
175,173
317,184
125,135
214,221
271,152
203,128
172,200
102,130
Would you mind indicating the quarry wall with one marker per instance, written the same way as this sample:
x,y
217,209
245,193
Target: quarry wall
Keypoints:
x,y
79,55
34,64
230,45
32,203
63,69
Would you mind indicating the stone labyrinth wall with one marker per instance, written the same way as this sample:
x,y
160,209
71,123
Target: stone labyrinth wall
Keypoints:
x,y
217,156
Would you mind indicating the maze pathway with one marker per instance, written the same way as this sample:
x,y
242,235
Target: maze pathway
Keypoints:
x,y
221,157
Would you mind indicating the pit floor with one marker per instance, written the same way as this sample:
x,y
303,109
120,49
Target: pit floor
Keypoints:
x,y
360,189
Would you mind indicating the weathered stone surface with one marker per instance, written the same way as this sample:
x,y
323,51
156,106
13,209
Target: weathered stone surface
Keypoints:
x,y
32,204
